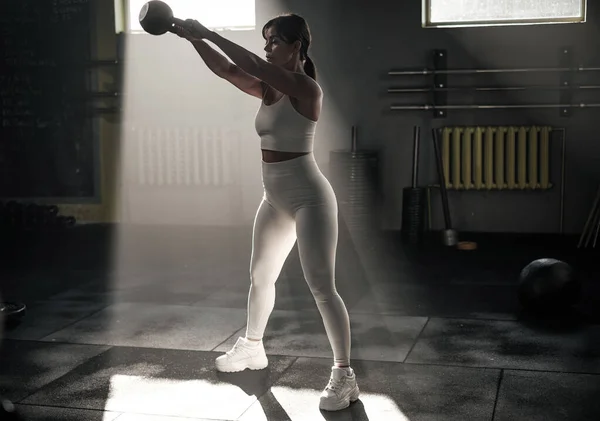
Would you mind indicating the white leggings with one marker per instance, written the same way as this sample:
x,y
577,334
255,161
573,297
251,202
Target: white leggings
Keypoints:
x,y
298,204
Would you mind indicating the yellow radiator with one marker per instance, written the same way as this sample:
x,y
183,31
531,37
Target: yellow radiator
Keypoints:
x,y
496,158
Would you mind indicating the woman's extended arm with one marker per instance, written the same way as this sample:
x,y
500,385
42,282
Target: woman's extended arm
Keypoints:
x,y
293,84
222,67
297,85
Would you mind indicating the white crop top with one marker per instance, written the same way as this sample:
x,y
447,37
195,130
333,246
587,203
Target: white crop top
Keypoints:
x,y
282,128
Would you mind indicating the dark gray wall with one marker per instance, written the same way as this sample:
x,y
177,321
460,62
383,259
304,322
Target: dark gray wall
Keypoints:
x,y
355,44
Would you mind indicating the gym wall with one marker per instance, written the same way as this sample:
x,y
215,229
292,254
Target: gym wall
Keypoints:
x,y
354,47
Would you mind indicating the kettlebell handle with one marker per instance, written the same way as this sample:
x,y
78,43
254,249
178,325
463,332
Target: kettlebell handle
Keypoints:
x,y
178,22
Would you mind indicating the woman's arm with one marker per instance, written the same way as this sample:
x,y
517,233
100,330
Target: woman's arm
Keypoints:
x,y
222,67
216,62
293,84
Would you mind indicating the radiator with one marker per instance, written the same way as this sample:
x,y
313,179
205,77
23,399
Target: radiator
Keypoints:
x,y
186,156
496,158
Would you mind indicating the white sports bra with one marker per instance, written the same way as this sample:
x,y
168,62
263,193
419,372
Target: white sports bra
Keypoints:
x,y
282,128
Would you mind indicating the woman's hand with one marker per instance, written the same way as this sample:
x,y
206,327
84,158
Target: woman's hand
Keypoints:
x,y
191,30
197,30
183,32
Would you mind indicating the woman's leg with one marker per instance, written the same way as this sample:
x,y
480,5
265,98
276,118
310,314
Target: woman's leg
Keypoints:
x,y
273,237
272,240
317,233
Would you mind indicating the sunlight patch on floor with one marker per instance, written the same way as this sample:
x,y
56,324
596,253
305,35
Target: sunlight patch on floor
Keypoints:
x,y
203,399
172,397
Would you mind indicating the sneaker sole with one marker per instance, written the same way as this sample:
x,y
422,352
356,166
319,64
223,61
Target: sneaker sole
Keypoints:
x,y
353,398
238,368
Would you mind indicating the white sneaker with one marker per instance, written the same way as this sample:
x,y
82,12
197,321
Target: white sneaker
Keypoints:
x,y
244,354
340,391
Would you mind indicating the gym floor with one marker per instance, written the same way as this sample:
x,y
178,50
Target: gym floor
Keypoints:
x,y
125,323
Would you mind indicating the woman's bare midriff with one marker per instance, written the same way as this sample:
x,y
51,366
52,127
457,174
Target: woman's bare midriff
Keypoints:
x,y
277,156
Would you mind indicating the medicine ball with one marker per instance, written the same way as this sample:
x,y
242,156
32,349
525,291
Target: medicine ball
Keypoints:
x,y
8,411
548,285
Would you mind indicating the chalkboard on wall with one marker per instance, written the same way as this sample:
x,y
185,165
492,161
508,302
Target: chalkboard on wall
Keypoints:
x,y
47,142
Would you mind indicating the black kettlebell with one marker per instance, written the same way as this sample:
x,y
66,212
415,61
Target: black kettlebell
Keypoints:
x,y
156,17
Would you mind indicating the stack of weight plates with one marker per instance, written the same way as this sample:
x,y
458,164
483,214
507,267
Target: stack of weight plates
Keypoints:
x,y
413,213
355,179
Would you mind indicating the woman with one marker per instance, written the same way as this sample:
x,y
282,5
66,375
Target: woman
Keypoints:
x,y
298,202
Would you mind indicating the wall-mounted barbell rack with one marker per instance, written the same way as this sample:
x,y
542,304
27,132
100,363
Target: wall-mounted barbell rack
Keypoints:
x,y
439,87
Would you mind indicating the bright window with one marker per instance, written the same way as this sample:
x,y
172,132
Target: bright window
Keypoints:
x,y
444,13
214,14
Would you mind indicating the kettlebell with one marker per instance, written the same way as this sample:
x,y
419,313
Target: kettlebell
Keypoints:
x,y
156,17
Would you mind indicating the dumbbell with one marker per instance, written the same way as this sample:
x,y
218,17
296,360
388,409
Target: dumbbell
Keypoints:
x,y
156,17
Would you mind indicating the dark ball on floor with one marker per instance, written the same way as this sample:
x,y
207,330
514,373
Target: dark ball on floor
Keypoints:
x,y
548,285
8,411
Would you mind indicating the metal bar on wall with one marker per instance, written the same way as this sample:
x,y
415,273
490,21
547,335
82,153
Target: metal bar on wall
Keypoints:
x,y
566,79
440,81
489,106
475,71
562,176
102,63
490,88
93,84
